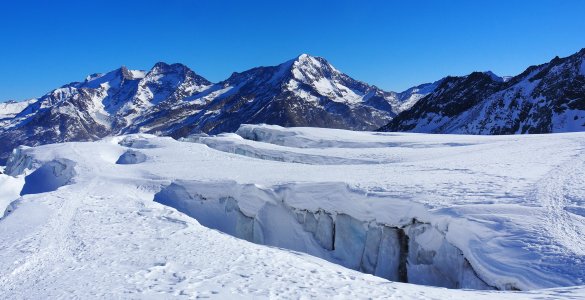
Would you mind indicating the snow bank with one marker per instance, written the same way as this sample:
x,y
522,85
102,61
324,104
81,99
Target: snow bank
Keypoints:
x,y
302,138
137,141
19,161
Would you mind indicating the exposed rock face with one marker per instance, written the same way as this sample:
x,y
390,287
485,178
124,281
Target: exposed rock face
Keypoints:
x,y
543,99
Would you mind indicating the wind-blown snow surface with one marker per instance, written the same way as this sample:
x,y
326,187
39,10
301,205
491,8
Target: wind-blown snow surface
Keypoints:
x,y
509,209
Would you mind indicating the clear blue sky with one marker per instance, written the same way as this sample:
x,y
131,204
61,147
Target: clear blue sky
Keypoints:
x,y
392,44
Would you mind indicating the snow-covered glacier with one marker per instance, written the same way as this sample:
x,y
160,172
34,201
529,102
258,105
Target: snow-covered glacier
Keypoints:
x,y
296,212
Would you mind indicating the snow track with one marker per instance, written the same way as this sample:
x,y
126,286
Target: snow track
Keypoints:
x,y
552,192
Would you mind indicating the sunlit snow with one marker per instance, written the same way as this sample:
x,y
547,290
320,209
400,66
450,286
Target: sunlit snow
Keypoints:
x,y
123,217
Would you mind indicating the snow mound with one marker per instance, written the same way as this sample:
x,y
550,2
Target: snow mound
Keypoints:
x,y
131,157
137,141
298,137
307,137
19,161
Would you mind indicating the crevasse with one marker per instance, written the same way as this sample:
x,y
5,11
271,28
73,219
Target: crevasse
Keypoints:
x,y
414,252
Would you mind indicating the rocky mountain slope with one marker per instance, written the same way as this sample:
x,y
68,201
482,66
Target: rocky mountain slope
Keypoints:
x,y
173,100
543,99
101,105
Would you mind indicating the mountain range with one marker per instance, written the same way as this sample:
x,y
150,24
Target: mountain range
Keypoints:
x,y
543,99
172,100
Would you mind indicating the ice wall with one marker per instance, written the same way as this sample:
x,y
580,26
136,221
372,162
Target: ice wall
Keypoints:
x,y
415,252
49,177
19,160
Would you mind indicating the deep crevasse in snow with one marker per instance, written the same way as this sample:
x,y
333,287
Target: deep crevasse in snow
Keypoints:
x,y
415,252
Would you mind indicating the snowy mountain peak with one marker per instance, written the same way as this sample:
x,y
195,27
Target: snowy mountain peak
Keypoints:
x,y
93,76
303,56
171,99
307,58
177,72
113,78
126,74
310,67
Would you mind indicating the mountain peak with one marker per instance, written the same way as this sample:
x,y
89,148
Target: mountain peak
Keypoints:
x,y
310,67
309,59
120,74
304,56
126,74
93,76
163,67
495,77
160,64
176,69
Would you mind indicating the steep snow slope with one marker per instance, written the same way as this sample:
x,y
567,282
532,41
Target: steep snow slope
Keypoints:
x,y
411,96
457,211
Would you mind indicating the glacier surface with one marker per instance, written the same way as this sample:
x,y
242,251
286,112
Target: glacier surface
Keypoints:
x,y
473,212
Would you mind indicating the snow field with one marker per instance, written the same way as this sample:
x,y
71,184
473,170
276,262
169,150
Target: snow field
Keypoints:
x,y
99,234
